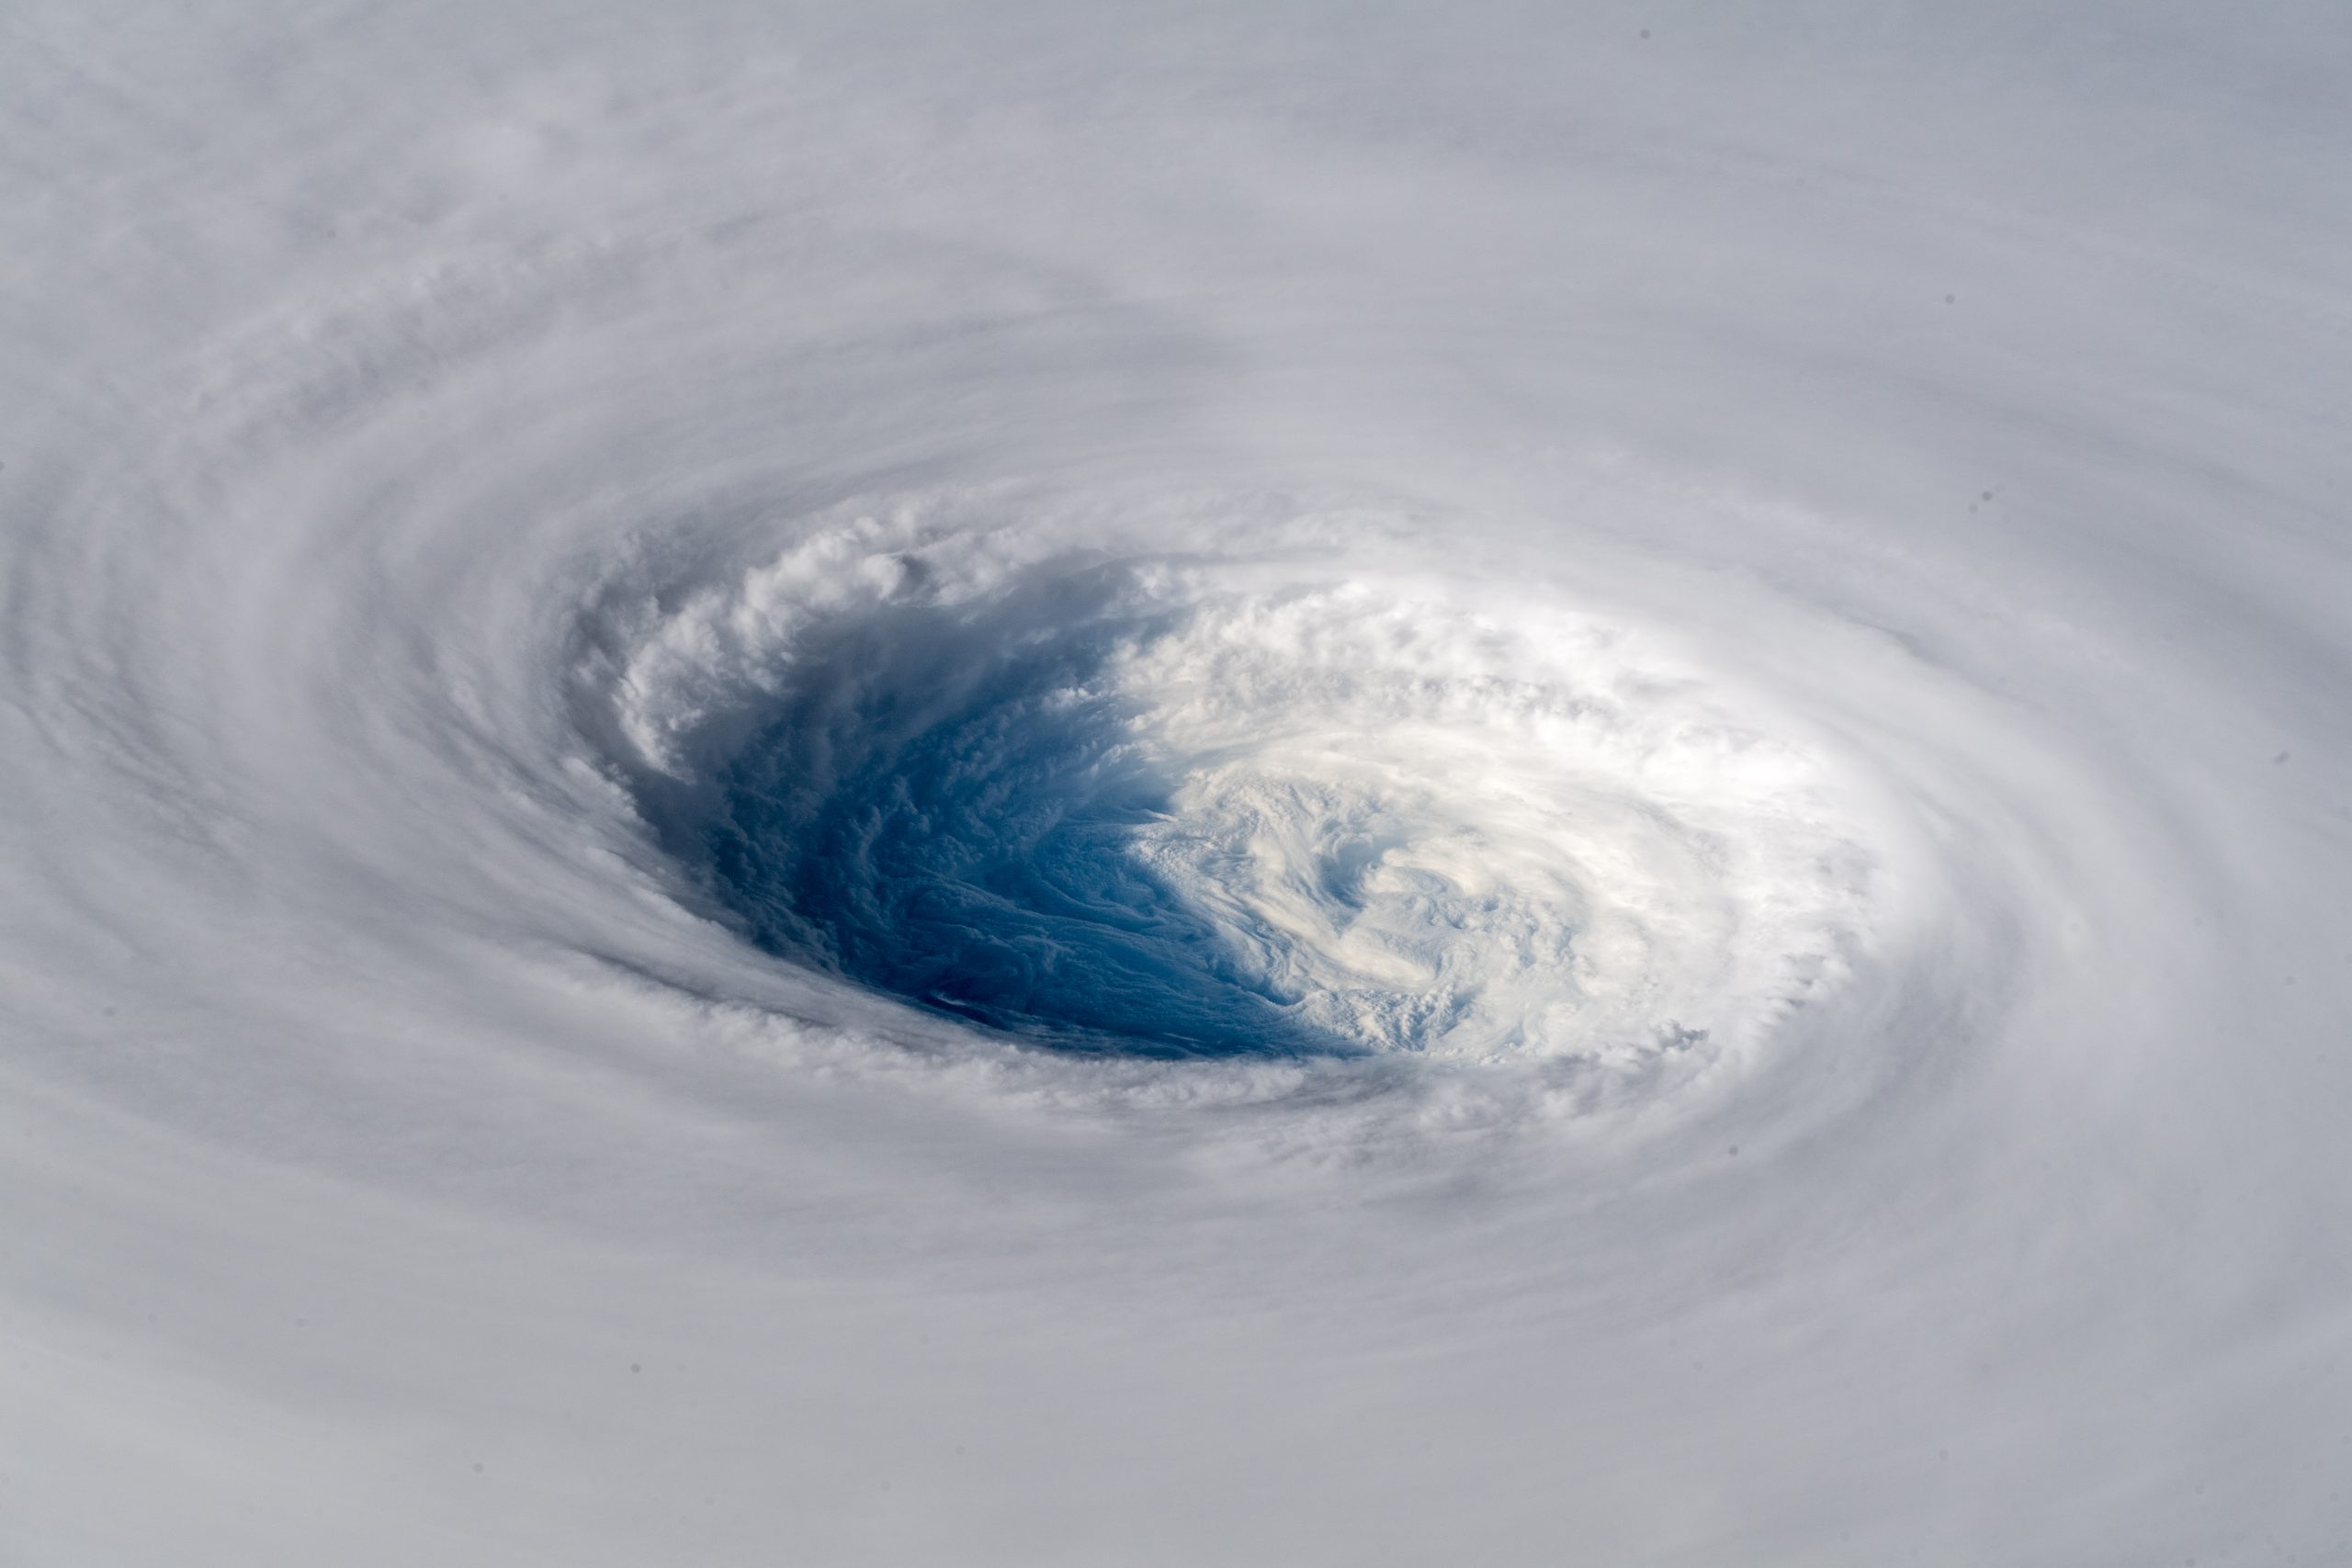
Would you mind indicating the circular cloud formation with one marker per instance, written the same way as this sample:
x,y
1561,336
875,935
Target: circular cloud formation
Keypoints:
x,y
905,787
1193,806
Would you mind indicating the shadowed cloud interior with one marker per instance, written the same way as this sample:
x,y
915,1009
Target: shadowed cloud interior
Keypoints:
x,y
944,805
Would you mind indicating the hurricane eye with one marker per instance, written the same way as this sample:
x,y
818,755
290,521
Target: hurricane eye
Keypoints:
x,y
1135,807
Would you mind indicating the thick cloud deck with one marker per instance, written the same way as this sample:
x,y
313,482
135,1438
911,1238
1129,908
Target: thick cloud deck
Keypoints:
x,y
1060,784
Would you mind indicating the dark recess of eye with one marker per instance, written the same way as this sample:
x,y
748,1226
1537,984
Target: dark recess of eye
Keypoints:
x,y
939,807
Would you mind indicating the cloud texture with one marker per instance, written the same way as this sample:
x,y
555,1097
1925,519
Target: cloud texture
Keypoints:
x,y
871,784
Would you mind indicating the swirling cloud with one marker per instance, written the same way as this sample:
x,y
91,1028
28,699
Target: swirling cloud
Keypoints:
x,y
899,785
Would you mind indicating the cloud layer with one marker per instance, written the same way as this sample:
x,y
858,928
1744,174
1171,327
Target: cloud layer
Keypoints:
x,y
882,785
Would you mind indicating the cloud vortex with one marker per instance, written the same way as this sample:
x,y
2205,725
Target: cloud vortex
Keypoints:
x,y
880,784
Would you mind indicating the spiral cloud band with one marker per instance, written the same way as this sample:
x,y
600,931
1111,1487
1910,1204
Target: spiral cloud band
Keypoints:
x,y
1059,784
